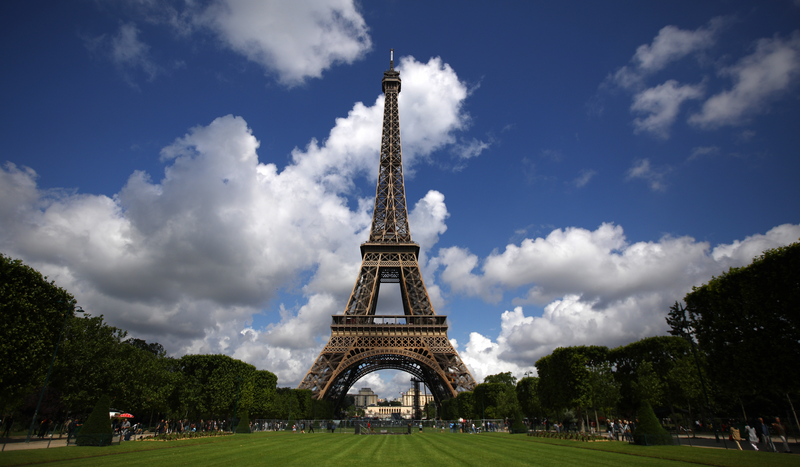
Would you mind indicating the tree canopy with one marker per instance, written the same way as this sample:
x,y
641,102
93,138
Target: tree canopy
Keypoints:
x,y
747,322
502,378
32,314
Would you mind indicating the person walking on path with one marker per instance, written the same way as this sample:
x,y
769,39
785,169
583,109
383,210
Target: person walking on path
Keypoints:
x,y
751,436
765,438
781,429
735,436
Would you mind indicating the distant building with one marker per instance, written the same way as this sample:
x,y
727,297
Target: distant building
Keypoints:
x,y
387,412
408,398
365,398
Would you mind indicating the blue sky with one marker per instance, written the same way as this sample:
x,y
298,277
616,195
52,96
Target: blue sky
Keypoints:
x,y
202,173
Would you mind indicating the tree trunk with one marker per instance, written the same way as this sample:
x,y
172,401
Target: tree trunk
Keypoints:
x,y
596,421
795,416
691,419
674,418
588,423
743,412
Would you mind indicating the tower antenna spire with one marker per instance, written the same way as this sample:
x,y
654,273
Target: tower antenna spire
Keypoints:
x,y
391,59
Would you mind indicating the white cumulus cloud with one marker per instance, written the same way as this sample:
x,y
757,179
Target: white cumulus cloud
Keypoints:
x,y
295,40
190,258
596,288
759,79
670,44
661,104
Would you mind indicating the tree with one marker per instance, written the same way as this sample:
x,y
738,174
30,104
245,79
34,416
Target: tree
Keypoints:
x,y
321,409
565,377
32,313
494,400
648,386
501,378
430,410
450,409
264,393
90,362
756,308
528,397
603,389
156,349
466,405
147,381
669,376
211,383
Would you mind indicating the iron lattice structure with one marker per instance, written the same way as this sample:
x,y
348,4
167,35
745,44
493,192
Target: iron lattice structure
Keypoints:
x,y
415,342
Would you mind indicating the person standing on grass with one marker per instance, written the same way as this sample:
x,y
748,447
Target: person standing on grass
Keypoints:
x,y
765,438
781,429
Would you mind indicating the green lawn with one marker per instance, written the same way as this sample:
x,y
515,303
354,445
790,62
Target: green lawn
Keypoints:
x,y
433,449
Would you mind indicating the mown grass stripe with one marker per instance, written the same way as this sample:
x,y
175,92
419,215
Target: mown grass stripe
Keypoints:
x,y
439,449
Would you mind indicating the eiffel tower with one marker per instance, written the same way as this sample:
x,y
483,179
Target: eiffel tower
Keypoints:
x,y
415,342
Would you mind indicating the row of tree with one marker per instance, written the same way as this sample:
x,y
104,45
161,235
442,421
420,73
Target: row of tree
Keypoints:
x,y
95,358
738,335
587,380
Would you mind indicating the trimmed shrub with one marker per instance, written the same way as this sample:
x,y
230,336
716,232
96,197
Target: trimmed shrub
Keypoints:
x,y
244,424
649,431
517,426
97,429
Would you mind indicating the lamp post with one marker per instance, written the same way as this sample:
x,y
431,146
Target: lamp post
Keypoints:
x,y
55,352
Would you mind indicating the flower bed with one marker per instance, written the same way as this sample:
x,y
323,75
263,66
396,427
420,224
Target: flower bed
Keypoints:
x,y
189,435
585,437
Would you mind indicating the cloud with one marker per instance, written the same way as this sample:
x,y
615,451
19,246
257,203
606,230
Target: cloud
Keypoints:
x,y
584,178
701,151
670,44
662,103
295,40
554,155
470,149
292,41
745,136
654,177
127,52
596,288
189,259
759,79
